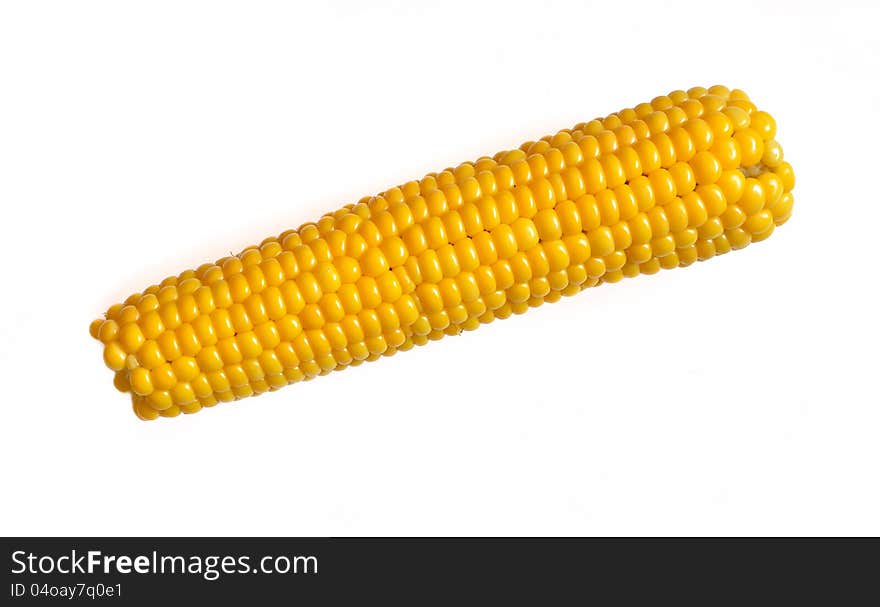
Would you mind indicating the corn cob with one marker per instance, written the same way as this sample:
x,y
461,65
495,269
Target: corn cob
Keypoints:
x,y
683,178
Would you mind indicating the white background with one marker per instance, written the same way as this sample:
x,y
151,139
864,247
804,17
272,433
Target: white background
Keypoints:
x,y
737,396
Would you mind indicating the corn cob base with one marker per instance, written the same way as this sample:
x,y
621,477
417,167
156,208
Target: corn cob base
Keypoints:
x,y
683,178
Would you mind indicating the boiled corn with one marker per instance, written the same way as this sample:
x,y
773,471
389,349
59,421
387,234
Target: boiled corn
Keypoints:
x,y
683,178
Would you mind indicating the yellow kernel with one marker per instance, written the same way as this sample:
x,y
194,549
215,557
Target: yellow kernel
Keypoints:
x,y
601,241
753,197
706,167
751,146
